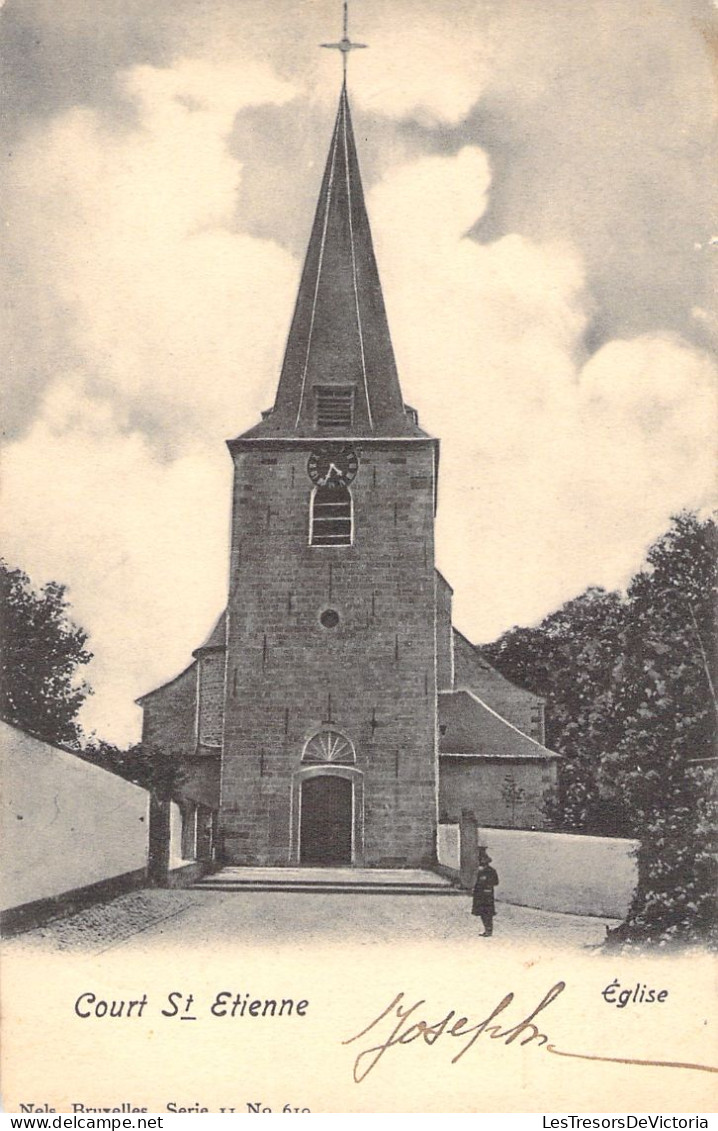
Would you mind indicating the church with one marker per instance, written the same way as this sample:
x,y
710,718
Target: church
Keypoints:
x,y
334,715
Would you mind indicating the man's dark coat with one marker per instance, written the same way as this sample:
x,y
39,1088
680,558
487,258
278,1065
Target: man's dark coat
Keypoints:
x,y
486,881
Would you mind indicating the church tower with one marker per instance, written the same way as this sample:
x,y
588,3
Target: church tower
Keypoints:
x,y
329,750
334,715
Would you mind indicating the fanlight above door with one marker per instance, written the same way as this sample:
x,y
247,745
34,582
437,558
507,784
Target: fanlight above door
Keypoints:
x,y
329,746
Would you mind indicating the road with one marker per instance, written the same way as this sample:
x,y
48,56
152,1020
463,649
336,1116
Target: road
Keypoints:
x,y
155,918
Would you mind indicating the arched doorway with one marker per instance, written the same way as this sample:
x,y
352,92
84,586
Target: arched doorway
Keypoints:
x,y
326,821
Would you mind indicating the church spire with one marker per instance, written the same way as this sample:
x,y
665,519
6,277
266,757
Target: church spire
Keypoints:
x,y
339,374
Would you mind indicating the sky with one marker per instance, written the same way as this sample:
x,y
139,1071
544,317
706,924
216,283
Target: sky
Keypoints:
x,y
538,180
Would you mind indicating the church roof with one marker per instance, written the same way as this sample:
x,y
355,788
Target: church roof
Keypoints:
x,y
217,637
471,666
216,640
469,727
339,341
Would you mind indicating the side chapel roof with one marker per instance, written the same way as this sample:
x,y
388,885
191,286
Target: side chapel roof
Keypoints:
x,y
468,727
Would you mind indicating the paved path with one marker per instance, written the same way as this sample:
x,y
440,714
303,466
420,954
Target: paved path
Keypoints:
x,y
156,918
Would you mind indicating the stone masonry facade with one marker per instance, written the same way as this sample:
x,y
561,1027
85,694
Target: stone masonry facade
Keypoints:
x,y
373,676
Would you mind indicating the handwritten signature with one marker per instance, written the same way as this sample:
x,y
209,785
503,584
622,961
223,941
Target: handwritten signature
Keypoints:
x,y
408,1026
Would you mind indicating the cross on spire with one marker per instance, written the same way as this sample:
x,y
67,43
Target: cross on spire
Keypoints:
x,y
345,44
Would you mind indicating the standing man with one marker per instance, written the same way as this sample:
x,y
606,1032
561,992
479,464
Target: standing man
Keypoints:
x,y
483,901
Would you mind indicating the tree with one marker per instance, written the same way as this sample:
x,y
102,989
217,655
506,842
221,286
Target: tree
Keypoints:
x,y
631,704
144,765
570,660
41,690
512,795
664,762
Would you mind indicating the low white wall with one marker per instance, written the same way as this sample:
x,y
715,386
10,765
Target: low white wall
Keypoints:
x,y
586,875
176,858
447,846
65,823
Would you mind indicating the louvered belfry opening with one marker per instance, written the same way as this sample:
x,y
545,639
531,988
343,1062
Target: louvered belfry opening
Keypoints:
x,y
331,517
334,406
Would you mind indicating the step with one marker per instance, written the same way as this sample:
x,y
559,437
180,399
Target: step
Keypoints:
x,y
328,888
344,880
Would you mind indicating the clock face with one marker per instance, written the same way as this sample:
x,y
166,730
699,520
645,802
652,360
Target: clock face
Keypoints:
x,y
332,466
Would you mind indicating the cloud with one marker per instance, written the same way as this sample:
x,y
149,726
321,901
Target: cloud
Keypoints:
x,y
556,470
404,74
607,143
649,408
127,239
142,545
165,338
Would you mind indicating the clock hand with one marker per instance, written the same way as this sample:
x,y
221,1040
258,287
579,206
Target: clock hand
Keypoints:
x,y
325,478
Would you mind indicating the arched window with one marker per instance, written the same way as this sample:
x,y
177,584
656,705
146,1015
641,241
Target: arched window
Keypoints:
x,y
330,519
329,746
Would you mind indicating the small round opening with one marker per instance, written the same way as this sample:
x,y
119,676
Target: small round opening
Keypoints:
x,y
329,618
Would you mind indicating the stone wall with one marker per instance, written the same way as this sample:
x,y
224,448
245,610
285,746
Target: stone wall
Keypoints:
x,y
201,780
444,635
170,714
170,722
483,785
211,699
372,676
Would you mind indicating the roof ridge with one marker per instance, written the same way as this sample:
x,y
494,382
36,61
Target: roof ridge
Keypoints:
x,y
512,726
